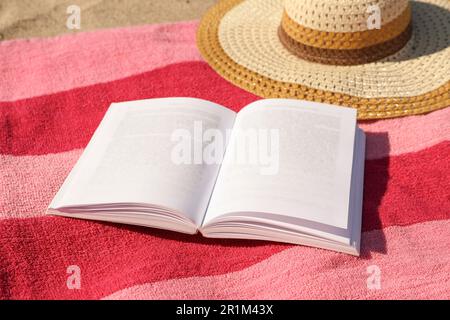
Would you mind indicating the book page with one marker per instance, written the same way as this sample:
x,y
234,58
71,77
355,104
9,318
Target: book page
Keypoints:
x,y
146,152
299,168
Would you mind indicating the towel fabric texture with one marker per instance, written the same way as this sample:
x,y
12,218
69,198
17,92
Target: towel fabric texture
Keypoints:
x,y
55,86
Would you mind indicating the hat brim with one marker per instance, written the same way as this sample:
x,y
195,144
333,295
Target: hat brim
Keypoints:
x,y
238,38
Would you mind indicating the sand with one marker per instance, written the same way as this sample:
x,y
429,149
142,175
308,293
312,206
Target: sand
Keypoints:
x,y
31,18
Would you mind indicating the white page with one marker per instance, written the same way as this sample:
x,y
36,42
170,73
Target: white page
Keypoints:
x,y
130,160
313,181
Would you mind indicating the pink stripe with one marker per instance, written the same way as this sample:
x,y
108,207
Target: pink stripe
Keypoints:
x,y
43,66
28,183
408,134
414,262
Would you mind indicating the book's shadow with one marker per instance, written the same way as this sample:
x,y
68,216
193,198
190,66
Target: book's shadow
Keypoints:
x,y
376,176
195,239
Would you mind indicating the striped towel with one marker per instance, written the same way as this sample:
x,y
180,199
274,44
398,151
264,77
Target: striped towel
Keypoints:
x,y
53,94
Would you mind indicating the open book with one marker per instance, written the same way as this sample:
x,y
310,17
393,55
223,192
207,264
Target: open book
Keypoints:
x,y
281,170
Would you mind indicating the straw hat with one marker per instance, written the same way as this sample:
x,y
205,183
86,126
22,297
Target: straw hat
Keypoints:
x,y
335,51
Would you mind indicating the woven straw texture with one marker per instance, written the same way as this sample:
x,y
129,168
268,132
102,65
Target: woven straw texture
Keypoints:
x,y
346,40
345,56
246,50
341,16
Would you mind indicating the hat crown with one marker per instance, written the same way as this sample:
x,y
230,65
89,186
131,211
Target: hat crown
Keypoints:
x,y
343,15
345,32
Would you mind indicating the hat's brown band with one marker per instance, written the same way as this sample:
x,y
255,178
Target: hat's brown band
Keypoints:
x,y
345,57
346,40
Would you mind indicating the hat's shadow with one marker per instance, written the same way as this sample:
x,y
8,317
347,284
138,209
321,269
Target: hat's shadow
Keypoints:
x,y
431,32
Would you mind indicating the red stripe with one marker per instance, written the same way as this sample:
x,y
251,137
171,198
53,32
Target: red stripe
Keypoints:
x,y
35,252
66,120
407,189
